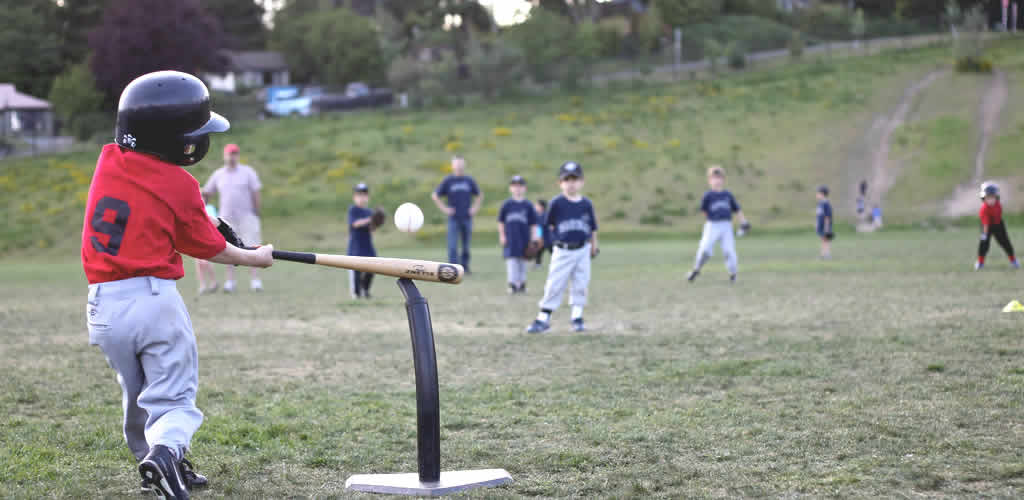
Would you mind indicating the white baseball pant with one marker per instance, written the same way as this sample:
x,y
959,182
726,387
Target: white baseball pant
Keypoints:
x,y
143,328
721,233
567,265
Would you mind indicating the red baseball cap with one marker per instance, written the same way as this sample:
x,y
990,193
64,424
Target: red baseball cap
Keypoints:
x,y
231,148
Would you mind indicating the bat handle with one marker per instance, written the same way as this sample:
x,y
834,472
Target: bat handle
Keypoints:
x,y
304,257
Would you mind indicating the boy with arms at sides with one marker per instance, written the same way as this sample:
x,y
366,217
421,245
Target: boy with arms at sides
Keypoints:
x,y
823,216
143,211
517,226
573,224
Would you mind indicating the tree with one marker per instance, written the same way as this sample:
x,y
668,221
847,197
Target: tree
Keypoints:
x,y
334,46
140,36
858,26
682,12
75,19
31,52
78,103
241,22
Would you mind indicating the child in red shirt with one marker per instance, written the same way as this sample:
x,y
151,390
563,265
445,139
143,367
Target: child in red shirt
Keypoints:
x,y
991,215
143,211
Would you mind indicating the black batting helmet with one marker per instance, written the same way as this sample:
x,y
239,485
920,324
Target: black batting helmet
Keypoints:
x,y
167,114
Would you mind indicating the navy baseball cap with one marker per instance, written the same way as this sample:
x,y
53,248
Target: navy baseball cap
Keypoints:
x,y
361,188
517,179
570,169
823,189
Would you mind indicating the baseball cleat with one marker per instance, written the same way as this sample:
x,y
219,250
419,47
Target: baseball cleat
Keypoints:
x,y
163,473
256,285
522,288
577,325
1015,264
193,479
229,286
512,289
538,326
693,275
978,266
732,278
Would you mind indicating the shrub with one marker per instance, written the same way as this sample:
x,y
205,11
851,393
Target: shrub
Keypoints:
x,y
683,12
78,103
495,65
825,21
713,52
970,64
542,40
736,55
796,45
611,35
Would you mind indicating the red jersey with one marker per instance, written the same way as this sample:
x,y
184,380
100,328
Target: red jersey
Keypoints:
x,y
140,213
991,214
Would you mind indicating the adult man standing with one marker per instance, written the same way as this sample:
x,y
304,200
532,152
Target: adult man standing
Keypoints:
x,y
238,188
463,199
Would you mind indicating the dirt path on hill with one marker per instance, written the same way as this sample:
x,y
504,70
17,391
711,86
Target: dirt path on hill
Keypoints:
x,y
965,197
881,173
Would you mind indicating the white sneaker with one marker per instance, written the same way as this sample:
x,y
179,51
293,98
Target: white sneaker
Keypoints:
x,y
978,266
229,287
256,285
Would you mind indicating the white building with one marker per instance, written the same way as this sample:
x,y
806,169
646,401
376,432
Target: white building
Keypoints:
x,y
249,70
22,114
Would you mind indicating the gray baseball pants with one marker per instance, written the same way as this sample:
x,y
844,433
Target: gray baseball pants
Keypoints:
x,y
144,330
721,233
567,265
515,269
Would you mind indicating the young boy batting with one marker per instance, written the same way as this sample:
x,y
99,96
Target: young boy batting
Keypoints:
x,y
517,226
360,239
143,211
718,207
823,216
571,220
992,226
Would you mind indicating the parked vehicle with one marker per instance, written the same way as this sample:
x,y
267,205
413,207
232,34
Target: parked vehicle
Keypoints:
x,y
293,100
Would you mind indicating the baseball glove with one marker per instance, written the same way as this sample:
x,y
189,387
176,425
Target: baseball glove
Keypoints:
x,y
744,228
533,249
377,219
229,234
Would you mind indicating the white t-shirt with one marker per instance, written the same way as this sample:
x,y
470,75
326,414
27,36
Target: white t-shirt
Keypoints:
x,y
235,187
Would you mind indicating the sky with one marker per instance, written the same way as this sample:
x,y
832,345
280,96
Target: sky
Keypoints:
x,y
508,12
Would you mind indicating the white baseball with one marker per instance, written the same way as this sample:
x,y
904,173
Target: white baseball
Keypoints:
x,y
408,218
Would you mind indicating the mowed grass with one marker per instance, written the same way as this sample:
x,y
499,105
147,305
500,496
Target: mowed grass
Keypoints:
x,y
780,132
887,372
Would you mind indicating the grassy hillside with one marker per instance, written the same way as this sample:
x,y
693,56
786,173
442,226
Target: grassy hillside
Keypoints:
x,y
780,132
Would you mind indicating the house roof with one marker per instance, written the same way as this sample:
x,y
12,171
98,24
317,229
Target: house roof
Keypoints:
x,y
254,60
12,99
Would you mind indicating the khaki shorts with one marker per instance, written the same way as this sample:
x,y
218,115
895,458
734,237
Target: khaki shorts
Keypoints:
x,y
248,228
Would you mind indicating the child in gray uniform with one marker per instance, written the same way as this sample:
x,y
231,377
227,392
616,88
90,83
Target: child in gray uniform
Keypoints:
x,y
571,219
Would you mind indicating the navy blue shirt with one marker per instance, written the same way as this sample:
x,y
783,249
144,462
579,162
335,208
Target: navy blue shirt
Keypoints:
x,y
459,192
518,217
359,241
569,221
719,205
545,233
824,210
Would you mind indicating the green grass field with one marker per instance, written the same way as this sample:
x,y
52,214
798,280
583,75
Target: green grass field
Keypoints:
x,y
780,131
887,372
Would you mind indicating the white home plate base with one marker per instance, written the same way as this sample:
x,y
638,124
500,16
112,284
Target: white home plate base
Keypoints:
x,y
409,484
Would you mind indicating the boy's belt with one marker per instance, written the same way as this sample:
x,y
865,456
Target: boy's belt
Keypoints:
x,y
569,246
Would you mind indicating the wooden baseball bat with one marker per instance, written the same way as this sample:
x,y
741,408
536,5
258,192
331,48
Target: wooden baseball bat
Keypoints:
x,y
423,270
